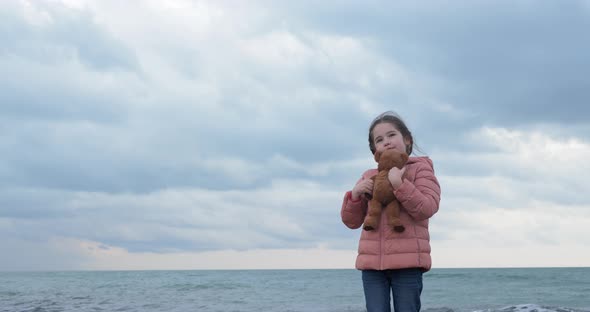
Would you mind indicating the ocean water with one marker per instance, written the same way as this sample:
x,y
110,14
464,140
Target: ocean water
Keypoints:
x,y
482,290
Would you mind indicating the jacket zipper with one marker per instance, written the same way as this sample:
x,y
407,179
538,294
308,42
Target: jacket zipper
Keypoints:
x,y
381,251
418,246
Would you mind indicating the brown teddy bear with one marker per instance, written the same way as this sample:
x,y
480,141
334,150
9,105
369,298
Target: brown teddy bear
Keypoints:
x,y
383,192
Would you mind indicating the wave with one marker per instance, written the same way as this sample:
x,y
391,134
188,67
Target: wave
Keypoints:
x,y
533,308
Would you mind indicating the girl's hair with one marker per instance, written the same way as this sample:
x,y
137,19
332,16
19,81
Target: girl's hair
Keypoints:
x,y
398,123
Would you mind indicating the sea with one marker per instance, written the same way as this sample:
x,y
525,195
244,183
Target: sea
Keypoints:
x,y
445,290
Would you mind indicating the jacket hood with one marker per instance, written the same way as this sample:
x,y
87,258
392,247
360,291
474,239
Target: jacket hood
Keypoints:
x,y
421,159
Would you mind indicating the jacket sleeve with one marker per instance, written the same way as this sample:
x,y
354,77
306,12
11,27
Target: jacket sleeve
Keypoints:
x,y
353,211
422,197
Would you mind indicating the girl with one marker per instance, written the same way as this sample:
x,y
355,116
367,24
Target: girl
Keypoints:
x,y
392,261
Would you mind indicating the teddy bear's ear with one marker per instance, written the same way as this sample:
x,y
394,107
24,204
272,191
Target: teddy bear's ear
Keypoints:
x,y
377,155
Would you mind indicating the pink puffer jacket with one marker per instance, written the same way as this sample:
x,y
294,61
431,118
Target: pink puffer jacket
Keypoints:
x,y
419,195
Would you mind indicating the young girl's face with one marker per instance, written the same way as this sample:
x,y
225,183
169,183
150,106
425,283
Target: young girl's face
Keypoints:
x,y
386,136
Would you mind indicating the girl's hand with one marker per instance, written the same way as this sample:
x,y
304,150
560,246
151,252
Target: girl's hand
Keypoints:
x,y
364,186
395,176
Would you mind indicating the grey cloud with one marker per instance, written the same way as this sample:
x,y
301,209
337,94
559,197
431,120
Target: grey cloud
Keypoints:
x,y
41,78
492,59
119,159
190,220
22,100
65,33
100,154
88,162
33,204
334,131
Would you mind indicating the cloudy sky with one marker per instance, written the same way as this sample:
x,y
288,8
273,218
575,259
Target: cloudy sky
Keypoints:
x,y
224,134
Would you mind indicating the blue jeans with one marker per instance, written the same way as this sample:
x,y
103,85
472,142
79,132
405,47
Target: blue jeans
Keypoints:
x,y
405,286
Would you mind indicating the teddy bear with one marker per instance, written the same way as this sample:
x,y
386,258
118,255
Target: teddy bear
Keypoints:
x,y
383,197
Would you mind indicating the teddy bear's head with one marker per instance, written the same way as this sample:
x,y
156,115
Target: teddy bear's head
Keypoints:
x,y
390,158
